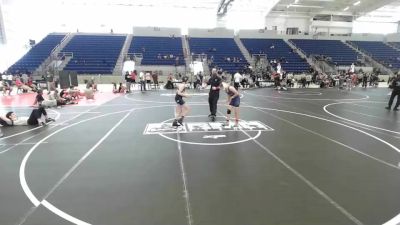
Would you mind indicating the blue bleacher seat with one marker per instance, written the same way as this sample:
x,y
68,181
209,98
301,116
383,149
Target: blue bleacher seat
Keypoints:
x,y
381,52
94,54
339,52
220,49
277,49
36,55
154,49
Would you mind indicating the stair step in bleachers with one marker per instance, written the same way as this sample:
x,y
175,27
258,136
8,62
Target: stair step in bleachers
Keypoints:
x,y
94,54
37,55
219,49
158,50
381,52
340,53
277,49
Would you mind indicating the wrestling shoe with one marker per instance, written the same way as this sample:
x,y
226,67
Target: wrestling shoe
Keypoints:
x,y
50,120
176,124
226,123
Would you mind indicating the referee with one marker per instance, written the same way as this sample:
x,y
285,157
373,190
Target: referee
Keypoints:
x,y
395,92
213,96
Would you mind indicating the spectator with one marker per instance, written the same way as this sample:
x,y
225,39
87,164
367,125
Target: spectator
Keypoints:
x,y
308,79
148,80
237,79
6,87
115,89
9,80
128,82
352,68
91,84
133,77
279,68
155,79
169,84
201,77
121,88
142,81
50,81
22,86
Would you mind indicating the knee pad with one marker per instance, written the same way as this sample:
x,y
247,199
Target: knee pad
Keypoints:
x,y
228,111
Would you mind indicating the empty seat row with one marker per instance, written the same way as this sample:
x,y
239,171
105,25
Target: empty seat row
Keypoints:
x,y
36,55
218,50
381,52
158,50
279,50
94,53
339,52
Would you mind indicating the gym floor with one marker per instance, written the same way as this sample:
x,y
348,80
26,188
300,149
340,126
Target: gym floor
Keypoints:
x,y
299,157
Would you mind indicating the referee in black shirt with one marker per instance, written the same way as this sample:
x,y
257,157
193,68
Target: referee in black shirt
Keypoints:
x,y
213,96
395,92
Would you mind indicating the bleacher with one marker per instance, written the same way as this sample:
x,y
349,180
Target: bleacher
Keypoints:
x,y
94,54
340,53
158,50
381,52
36,55
220,49
395,44
277,49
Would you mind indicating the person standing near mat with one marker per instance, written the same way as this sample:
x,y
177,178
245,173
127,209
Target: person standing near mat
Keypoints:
x,y
142,81
396,91
128,82
213,96
181,107
365,80
237,78
233,102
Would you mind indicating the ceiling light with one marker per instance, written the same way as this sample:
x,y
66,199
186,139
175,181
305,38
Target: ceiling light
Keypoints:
x,y
307,6
345,9
296,1
357,3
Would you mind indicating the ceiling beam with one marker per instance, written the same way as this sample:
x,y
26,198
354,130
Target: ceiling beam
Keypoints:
x,y
223,7
300,6
366,8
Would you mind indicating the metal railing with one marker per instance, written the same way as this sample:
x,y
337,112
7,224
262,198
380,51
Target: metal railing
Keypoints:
x,y
198,57
60,55
134,56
